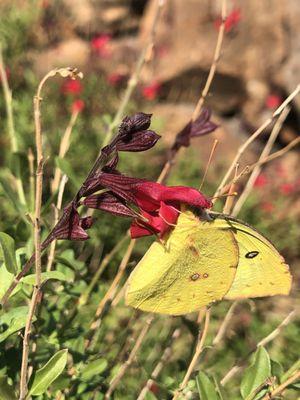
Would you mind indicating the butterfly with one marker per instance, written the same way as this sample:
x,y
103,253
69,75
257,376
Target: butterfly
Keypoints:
x,y
203,261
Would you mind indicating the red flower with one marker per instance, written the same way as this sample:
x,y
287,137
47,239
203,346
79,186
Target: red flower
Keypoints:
x,y
287,188
158,205
273,101
100,45
77,106
115,79
151,91
232,20
72,87
267,206
261,181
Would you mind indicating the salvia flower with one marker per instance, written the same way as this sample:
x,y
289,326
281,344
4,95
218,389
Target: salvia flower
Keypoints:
x,y
153,207
158,206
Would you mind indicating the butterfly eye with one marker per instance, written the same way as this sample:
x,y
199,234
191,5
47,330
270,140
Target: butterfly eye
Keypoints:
x,y
252,254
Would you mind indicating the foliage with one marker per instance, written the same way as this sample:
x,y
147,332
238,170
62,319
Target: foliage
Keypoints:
x,y
72,360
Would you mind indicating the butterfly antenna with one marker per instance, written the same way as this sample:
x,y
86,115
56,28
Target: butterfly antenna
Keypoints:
x,y
230,199
209,161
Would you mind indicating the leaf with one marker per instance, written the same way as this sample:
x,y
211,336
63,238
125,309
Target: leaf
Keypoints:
x,y
5,278
30,279
48,373
8,248
10,194
15,319
206,388
6,391
257,373
67,169
93,368
277,370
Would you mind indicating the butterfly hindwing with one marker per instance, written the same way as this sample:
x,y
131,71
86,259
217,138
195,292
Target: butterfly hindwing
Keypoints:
x,y
261,270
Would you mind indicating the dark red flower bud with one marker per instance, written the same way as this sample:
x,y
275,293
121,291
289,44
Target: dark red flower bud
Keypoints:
x,y
139,141
137,122
71,226
201,126
109,203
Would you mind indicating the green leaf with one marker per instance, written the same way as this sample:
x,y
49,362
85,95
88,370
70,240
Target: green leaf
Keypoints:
x,y
5,278
67,169
12,197
257,373
6,391
93,368
206,388
48,373
8,247
15,320
277,370
30,279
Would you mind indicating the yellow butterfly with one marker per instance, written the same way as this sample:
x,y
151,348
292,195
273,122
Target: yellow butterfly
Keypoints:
x,y
205,261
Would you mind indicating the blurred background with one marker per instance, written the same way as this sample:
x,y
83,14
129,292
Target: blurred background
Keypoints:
x,y
258,68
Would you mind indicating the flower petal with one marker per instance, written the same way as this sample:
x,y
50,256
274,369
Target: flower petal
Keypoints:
x,y
186,195
109,203
137,122
139,141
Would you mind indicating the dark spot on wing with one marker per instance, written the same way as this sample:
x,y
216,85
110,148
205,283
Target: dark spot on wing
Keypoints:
x,y
195,276
194,250
205,275
252,254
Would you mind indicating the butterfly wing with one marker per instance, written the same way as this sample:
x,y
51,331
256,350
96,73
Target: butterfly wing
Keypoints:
x,y
195,267
261,270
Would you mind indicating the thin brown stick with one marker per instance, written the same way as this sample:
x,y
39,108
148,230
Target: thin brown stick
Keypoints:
x,y
63,148
37,228
263,342
251,139
37,237
282,386
225,323
10,124
57,208
196,356
212,152
266,151
160,365
31,179
134,79
213,67
116,380
231,194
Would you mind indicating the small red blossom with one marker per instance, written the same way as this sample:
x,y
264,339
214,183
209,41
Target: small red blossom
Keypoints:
x,y
77,106
100,45
261,181
273,101
71,87
231,22
287,188
267,207
158,205
151,91
115,79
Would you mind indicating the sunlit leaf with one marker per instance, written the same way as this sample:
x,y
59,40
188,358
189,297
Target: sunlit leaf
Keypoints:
x,y
15,319
48,373
93,368
57,275
8,248
206,387
257,373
